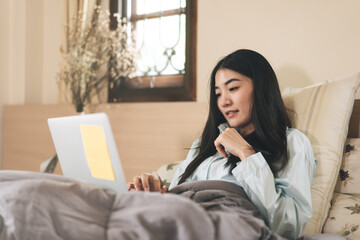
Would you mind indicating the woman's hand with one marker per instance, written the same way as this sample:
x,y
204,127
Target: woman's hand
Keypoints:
x,y
231,140
149,182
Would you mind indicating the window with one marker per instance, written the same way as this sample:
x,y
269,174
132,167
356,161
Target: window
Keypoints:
x,y
165,37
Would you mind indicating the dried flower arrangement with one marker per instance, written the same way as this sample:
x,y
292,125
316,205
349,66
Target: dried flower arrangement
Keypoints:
x,y
124,54
95,54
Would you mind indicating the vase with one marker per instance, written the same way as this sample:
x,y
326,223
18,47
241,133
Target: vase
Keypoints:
x,y
79,107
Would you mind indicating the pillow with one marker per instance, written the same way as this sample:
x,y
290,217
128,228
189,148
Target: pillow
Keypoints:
x,y
344,216
349,178
167,171
322,113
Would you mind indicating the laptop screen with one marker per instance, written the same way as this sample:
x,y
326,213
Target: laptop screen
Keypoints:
x,y
87,151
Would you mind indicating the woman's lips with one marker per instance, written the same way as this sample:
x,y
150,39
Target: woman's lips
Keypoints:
x,y
232,113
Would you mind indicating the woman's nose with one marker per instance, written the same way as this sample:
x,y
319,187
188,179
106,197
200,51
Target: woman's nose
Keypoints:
x,y
225,100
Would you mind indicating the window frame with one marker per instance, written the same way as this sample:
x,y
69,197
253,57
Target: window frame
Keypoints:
x,y
144,93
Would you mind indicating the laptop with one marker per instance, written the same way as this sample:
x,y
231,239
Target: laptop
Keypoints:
x,y
87,151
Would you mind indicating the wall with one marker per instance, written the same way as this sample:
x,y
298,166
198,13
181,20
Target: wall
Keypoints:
x,y
4,59
29,46
305,41
51,49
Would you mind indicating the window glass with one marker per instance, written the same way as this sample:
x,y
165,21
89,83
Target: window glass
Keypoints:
x,y
151,6
164,34
161,46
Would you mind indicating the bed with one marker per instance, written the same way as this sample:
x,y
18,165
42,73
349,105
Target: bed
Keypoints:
x,y
328,114
47,206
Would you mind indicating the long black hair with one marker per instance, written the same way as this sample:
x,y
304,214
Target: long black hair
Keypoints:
x,y
268,115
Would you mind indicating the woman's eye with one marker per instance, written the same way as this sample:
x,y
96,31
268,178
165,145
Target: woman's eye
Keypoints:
x,y
233,88
217,95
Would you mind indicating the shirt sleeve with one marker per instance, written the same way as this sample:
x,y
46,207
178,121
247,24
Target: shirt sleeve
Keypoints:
x,y
284,201
194,150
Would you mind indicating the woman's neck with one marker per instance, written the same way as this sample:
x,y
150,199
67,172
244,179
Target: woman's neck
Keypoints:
x,y
246,130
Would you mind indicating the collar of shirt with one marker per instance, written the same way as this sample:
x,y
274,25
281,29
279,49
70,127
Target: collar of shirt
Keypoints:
x,y
224,126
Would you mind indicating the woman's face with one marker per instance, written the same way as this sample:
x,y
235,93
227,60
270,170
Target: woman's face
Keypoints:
x,y
234,93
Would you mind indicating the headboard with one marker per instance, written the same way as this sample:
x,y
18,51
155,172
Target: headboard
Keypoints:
x,y
147,135
354,125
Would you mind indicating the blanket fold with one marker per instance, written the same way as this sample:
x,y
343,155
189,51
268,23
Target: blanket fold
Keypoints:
x,y
43,206
229,208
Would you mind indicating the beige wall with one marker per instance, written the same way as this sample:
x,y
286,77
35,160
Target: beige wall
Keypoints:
x,y
29,52
305,41
4,59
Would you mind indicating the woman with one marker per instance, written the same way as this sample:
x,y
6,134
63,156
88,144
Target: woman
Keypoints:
x,y
248,140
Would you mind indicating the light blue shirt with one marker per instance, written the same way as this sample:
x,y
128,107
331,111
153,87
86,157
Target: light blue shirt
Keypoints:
x,y
283,200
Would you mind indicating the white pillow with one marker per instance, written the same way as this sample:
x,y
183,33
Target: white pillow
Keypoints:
x,y
349,178
322,113
344,216
167,171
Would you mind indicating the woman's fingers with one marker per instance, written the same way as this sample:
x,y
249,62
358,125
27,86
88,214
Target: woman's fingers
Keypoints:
x,y
147,182
130,186
234,143
221,150
155,186
155,183
145,179
138,183
231,140
164,189
219,147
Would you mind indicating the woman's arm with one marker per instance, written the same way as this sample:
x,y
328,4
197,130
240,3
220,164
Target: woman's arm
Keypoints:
x,y
193,152
152,182
285,200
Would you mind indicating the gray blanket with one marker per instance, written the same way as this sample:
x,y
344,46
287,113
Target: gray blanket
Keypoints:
x,y
44,206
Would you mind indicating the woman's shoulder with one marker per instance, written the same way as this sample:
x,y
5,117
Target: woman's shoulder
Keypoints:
x,y
300,153
295,133
196,143
296,137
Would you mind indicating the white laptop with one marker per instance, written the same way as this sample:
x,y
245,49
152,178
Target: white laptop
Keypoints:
x,y
87,151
